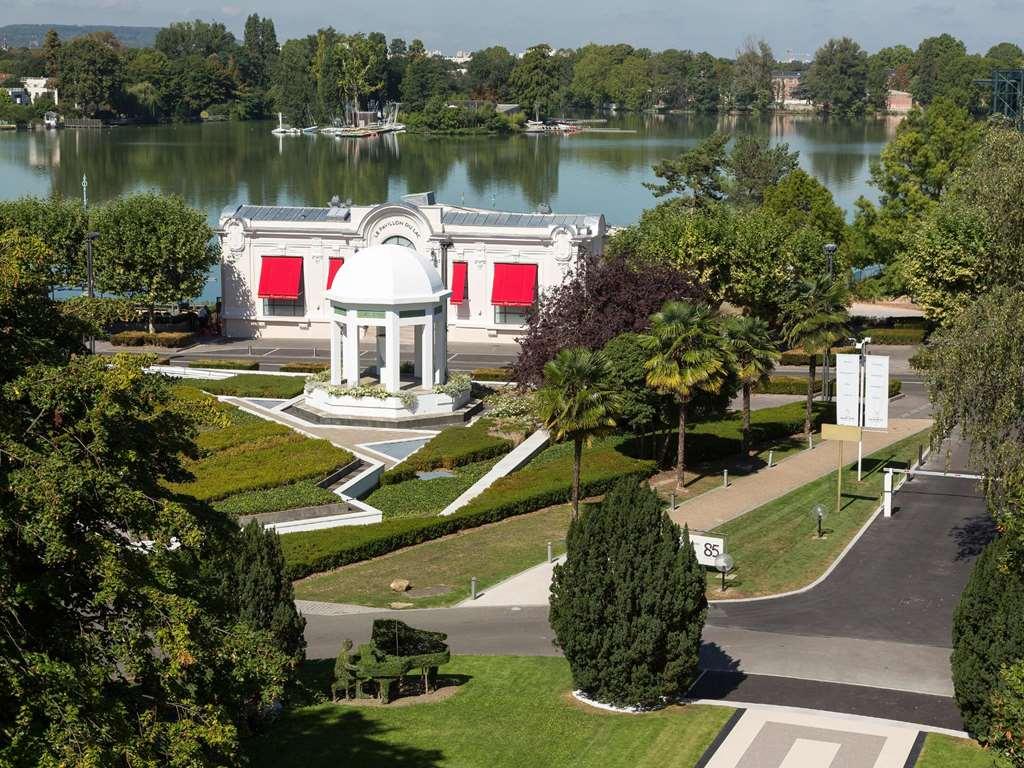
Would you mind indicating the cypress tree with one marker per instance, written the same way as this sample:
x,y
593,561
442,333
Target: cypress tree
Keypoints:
x,y
988,633
264,595
628,605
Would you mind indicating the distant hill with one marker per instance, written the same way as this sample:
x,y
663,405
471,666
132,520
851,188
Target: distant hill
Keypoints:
x,y
31,35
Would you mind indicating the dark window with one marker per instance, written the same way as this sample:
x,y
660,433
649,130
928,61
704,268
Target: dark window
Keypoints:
x,y
285,307
510,315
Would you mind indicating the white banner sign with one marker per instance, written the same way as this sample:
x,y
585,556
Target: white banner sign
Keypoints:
x,y
876,391
847,389
707,548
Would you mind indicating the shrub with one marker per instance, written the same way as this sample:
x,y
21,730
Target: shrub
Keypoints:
x,y
722,437
786,385
231,365
799,357
256,385
527,490
144,339
493,374
895,387
1007,729
451,447
304,493
628,606
306,367
988,633
896,335
414,496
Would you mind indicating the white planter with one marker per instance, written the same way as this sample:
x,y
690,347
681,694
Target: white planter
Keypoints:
x,y
386,408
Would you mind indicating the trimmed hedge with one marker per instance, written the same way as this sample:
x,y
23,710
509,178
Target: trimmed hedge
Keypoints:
x,y
896,335
146,339
255,385
492,374
304,493
786,385
524,491
417,497
895,387
305,367
451,447
231,365
799,357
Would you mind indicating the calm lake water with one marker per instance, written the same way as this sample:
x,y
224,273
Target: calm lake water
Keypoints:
x,y
214,165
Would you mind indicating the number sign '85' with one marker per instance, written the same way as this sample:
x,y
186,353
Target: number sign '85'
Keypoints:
x,y
707,548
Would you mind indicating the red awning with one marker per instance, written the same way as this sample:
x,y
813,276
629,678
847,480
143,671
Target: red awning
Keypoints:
x,y
280,277
332,268
515,285
459,273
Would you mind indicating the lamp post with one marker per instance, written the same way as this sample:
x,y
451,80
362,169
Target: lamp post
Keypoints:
x,y
818,514
89,289
723,564
830,252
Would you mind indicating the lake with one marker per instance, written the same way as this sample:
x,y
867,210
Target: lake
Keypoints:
x,y
213,165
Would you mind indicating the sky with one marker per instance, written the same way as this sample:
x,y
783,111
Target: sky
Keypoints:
x,y
797,26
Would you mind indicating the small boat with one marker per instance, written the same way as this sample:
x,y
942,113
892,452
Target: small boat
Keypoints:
x,y
309,130
284,130
51,120
535,126
6,125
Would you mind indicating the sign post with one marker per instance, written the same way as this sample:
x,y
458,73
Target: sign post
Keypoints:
x,y
840,433
862,394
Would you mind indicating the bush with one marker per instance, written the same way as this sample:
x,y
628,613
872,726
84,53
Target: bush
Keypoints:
x,y
306,367
416,497
527,490
628,605
988,633
451,447
231,365
305,493
896,335
256,385
1007,729
146,339
895,387
786,385
799,357
722,437
492,374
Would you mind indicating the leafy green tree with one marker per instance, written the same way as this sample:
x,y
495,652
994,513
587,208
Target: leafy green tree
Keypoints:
x,y
425,77
1004,56
152,248
816,319
753,356
538,80
51,54
988,633
629,82
359,60
756,166
262,591
326,69
628,604
696,174
488,73
1007,722
195,38
589,86
888,68
752,75
687,354
800,200
92,74
837,79
942,68
259,51
670,77
704,84
576,403
641,408
60,224
294,85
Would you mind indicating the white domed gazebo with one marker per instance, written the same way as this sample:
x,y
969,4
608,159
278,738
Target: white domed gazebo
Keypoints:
x,y
387,288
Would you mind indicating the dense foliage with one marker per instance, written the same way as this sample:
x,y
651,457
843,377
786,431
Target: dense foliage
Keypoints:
x,y
628,604
451,447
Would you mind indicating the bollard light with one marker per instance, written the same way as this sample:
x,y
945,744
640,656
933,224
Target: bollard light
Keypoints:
x,y
771,456
725,478
472,588
550,558
818,513
723,564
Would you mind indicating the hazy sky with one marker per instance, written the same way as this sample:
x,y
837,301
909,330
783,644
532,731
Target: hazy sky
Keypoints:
x,y
799,26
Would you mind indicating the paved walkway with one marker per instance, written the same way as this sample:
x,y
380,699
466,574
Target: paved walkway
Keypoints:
x,y
711,509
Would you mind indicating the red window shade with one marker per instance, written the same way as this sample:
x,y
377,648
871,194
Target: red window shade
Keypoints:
x,y
332,269
280,277
459,274
515,285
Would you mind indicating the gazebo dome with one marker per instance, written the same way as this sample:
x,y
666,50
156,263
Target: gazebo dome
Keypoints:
x,y
389,275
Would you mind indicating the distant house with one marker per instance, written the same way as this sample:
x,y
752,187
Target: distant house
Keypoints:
x,y
787,87
39,86
19,96
898,102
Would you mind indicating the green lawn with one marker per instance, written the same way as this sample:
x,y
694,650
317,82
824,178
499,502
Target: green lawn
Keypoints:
x,y
491,553
947,752
776,547
511,712
417,498
256,385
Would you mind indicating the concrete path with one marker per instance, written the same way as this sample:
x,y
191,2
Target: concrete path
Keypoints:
x,y
531,587
711,509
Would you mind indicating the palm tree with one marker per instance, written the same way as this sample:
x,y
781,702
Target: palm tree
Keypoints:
x,y
815,320
576,403
754,356
687,353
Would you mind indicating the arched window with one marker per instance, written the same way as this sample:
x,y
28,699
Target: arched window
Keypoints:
x,y
399,240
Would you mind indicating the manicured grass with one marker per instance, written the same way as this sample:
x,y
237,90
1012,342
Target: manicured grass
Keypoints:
x,y
451,447
304,493
255,385
775,546
492,553
510,712
418,498
947,752
228,364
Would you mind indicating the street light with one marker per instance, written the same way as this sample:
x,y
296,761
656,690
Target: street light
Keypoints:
x,y
89,290
830,252
818,513
723,564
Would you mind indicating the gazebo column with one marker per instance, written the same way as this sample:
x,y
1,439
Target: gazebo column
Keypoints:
x,y
426,354
350,351
417,354
391,377
441,331
381,342
336,353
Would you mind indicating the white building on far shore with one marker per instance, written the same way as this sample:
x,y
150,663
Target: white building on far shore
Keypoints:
x,y
277,262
